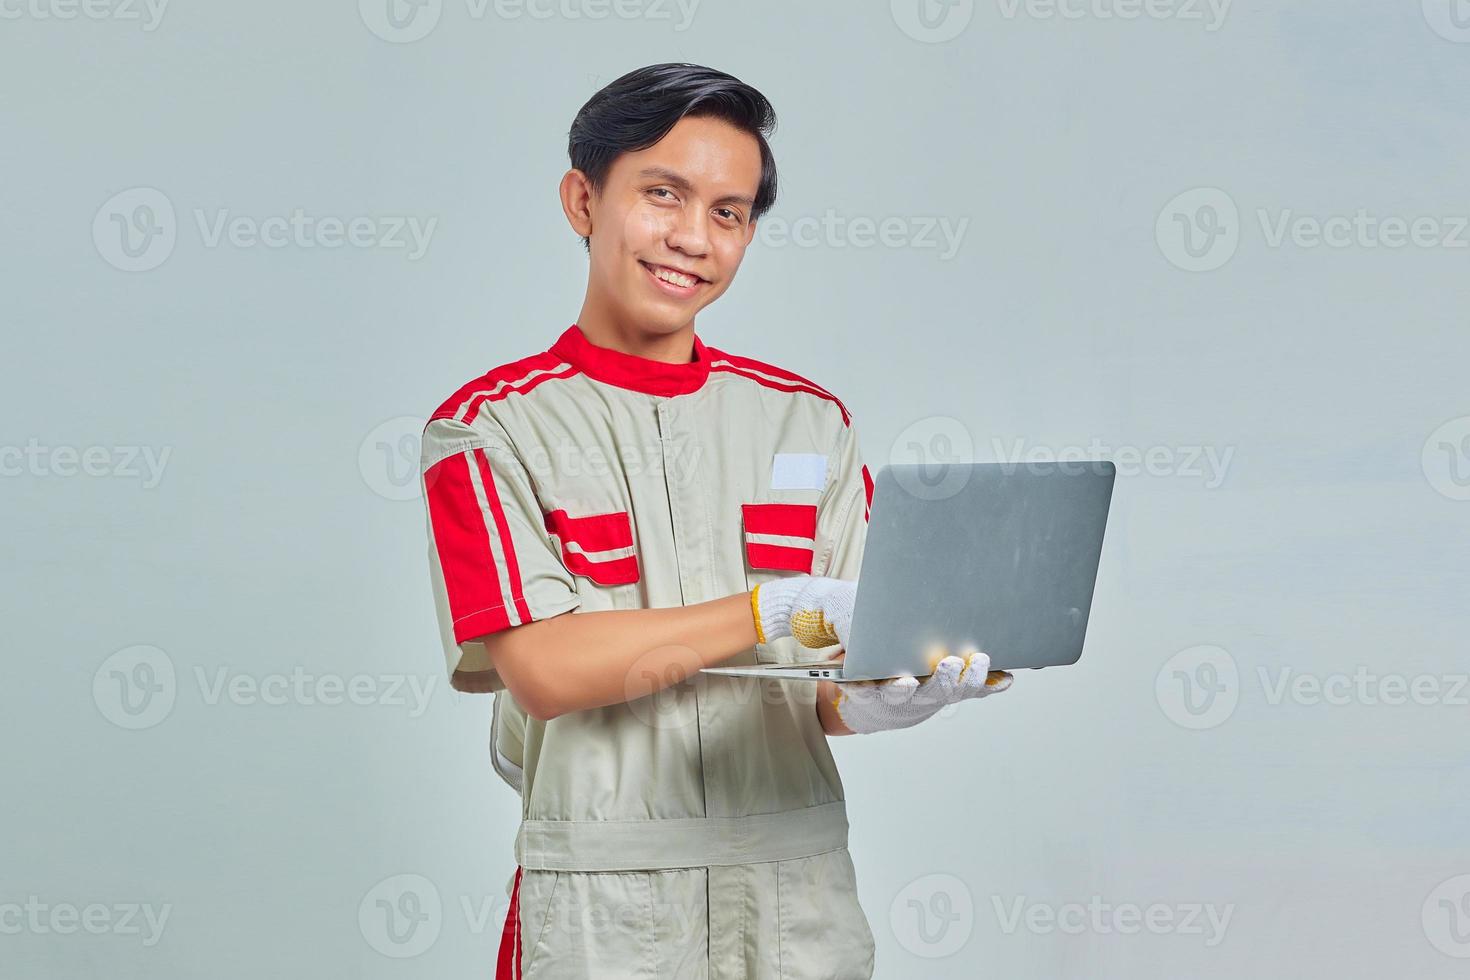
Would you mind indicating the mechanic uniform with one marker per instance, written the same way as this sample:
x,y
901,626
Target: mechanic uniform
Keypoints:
x,y
700,830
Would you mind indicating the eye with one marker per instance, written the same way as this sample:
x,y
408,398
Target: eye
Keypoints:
x,y
729,215
664,190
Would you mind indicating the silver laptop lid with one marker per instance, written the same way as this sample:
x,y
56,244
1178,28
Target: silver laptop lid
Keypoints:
x,y
1001,556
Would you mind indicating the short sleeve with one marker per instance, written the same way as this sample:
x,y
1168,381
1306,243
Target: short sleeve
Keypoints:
x,y
492,562
842,513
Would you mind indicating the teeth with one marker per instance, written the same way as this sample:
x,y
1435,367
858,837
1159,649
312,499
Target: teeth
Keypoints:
x,y
676,278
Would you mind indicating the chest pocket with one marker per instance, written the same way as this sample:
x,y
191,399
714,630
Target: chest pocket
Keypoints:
x,y
779,537
597,546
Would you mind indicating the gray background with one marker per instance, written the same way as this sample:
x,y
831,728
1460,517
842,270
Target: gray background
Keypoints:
x,y
1170,768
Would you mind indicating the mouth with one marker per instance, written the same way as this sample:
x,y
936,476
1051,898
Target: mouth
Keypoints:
x,y
672,281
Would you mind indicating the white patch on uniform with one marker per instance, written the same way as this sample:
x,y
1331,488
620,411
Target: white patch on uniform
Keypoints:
x,y
798,471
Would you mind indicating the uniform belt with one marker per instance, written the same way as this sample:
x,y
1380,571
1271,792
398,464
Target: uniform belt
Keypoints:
x,y
681,842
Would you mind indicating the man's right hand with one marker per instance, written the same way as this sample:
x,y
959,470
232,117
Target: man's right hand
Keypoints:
x,y
816,611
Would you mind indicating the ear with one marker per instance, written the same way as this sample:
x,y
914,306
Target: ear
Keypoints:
x,y
576,201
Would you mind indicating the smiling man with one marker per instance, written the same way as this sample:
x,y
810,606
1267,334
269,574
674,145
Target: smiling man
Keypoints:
x,y
610,515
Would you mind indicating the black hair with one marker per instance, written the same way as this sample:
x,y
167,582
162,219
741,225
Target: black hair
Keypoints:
x,y
637,110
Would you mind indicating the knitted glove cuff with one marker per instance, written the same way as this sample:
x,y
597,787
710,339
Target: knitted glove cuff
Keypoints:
x,y
772,603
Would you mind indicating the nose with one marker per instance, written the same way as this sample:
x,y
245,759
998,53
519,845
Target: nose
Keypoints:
x,y
689,232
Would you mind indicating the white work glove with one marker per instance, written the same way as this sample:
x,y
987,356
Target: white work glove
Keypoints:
x,y
880,706
815,610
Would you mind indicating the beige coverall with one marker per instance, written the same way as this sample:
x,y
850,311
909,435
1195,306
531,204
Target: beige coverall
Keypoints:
x,y
699,831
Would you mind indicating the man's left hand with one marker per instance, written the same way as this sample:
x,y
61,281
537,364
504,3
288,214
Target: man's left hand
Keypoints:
x,y
879,706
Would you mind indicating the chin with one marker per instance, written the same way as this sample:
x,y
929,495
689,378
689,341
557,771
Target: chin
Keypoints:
x,y
661,320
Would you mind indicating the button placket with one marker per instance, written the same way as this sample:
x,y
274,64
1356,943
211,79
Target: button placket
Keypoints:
x,y
717,717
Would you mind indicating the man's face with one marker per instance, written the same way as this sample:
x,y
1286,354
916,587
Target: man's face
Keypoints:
x,y
679,210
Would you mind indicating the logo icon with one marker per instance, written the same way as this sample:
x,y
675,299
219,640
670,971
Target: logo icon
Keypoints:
x,y
1450,19
932,21
401,916
934,444
1199,230
135,229
933,916
400,21
1446,917
1446,459
388,458
135,688
662,697
1198,688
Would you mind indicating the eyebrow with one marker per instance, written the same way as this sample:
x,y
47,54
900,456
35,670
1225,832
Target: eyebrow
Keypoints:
x,y
683,184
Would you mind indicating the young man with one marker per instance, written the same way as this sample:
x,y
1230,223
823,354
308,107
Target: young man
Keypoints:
x,y
688,507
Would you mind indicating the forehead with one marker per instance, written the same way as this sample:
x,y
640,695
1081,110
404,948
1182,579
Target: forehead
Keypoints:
x,y
714,156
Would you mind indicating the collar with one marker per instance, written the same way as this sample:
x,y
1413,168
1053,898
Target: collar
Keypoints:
x,y
631,371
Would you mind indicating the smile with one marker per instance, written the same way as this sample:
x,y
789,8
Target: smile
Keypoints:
x,y
680,283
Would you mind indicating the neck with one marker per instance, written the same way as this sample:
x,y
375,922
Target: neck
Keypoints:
x,y
605,331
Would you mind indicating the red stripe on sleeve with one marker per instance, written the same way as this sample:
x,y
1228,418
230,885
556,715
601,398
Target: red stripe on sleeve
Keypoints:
x,y
512,567
867,492
462,543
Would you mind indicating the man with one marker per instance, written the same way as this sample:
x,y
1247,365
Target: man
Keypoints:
x,y
687,507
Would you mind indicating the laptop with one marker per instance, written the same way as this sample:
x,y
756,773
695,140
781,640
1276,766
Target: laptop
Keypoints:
x,y
999,557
